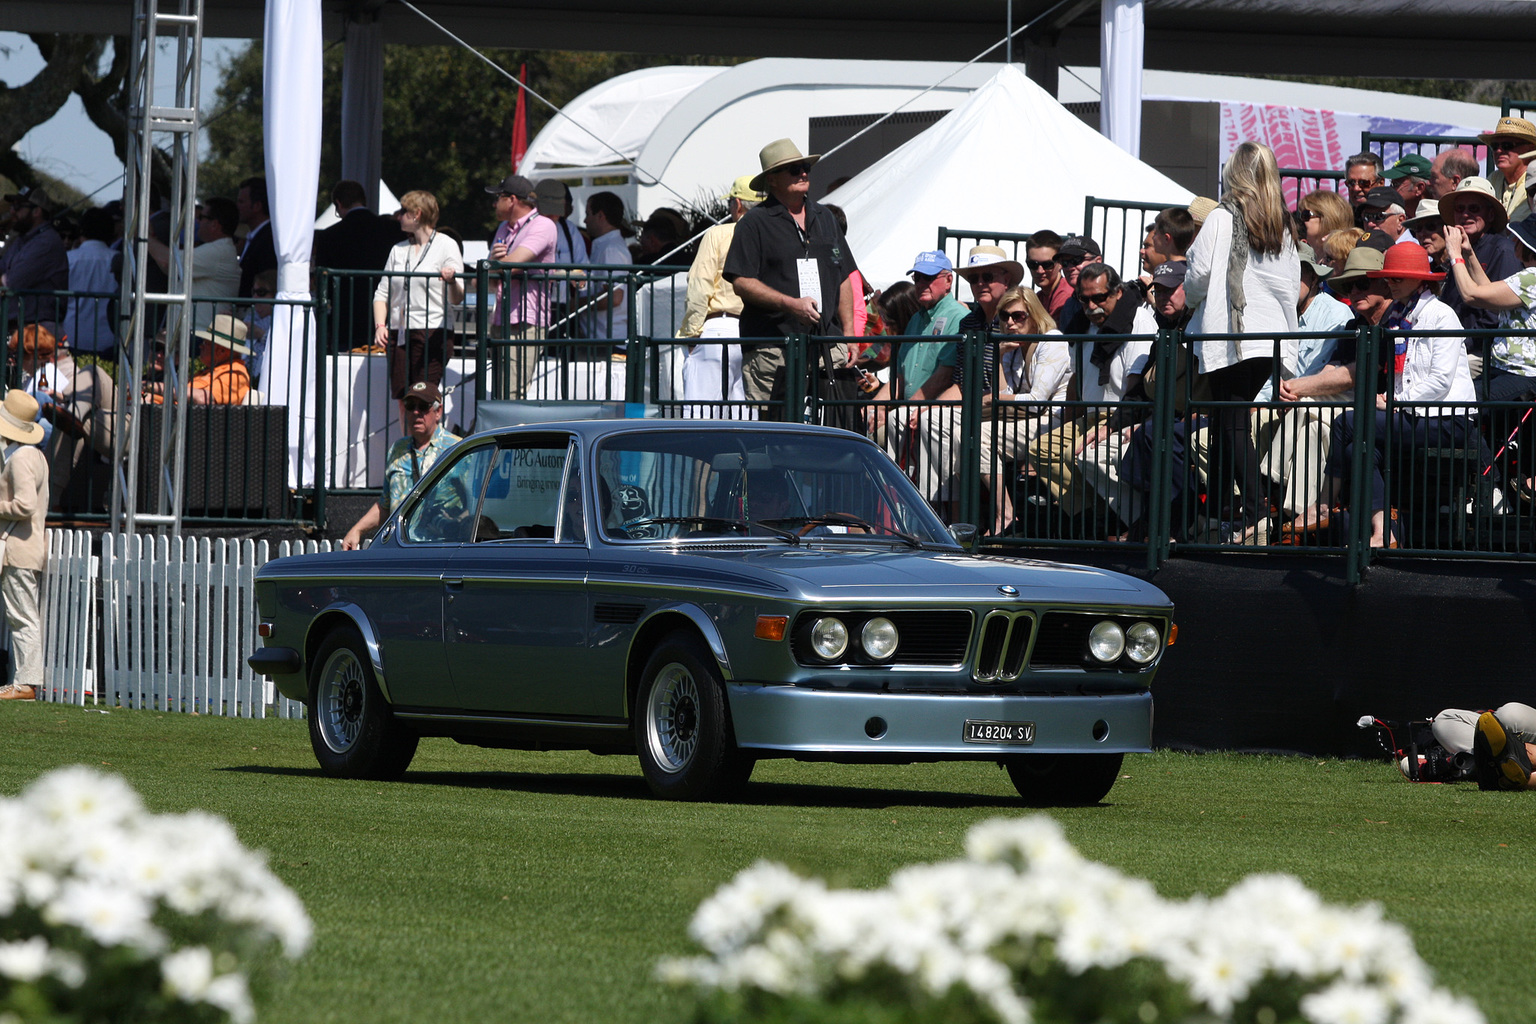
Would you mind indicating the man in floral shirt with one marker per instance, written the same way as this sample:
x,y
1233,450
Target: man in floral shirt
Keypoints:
x,y
409,458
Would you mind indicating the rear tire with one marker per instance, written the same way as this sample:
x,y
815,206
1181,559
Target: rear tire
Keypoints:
x,y
351,728
682,725
1063,780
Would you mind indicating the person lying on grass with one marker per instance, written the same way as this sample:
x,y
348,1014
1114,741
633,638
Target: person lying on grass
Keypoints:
x,y
1501,743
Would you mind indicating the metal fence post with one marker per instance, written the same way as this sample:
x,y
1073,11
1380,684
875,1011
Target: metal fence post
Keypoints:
x,y
1165,355
968,452
1357,540
482,325
325,347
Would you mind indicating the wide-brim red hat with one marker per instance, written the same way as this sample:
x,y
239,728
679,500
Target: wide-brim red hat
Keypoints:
x,y
1406,260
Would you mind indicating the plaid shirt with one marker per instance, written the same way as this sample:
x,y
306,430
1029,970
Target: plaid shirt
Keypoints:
x,y
406,464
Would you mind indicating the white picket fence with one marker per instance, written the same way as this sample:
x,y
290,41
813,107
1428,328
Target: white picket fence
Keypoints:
x,y
158,622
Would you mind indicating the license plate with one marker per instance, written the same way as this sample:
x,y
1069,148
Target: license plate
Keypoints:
x,y
976,731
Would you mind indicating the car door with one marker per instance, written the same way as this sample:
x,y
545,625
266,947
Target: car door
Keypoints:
x,y
516,607
404,592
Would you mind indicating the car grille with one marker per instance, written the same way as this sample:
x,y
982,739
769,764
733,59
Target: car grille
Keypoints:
x,y
1004,639
929,637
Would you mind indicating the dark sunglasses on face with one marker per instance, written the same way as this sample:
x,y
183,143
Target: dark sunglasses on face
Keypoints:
x,y
1014,316
1358,285
414,406
1095,300
988,277
1039,264
1516,145
1373,215
795,170
1068,262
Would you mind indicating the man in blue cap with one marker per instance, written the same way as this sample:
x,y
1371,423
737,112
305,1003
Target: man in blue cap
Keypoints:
x,y
921,370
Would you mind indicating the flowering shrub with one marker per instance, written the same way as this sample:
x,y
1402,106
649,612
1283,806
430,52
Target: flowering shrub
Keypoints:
x,y
1025,929
108,912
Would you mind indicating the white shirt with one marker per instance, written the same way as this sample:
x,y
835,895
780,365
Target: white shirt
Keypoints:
x,y
87,326
1271,286
215,275
1435,369
614,322
1128,361
416,302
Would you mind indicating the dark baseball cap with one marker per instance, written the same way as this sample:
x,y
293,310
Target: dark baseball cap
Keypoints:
x,y
34,196
1413,165
552,196
1381,197
1080,246
424,391
1170,274
513,185
1378,240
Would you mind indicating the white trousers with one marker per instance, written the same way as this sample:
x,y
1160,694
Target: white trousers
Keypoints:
x,y
21,590
1454,728
702,371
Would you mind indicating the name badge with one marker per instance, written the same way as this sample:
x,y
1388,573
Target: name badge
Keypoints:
x,y
810,280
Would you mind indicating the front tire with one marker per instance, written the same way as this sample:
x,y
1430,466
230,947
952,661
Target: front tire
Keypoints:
x,y
682,725
351,728
1063,780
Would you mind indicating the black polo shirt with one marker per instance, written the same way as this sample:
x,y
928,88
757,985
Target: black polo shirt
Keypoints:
x,y
765,246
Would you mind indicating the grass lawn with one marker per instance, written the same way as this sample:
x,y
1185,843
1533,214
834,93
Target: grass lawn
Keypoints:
x,y
500,885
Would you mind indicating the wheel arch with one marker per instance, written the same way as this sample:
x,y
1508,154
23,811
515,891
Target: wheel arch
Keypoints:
x,y
688,617
345,614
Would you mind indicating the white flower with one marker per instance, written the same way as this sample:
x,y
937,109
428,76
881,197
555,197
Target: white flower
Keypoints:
x,y
1036,840
110,915
1440,1007
738,909
1346,1003
26,960
229,993
83,797
188,973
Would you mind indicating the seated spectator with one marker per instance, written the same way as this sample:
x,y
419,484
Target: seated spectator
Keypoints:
x,y
1513,146
1337,246
1410,177
1383,211
1320,213
1033,376
78,403
225,380
1476,210
88,322
1428,230
1076,250
1051,286
1511,368
1105,372
989,273
1362,172
921,370
258,320
1450,168
1292,441
1420,370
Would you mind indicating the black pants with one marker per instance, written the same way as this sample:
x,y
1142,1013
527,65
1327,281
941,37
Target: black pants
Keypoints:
x,y
422,357
1235,463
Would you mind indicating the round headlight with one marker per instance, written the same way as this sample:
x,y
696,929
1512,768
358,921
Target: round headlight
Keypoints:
x,y
1142,642
880,637
829,638
1106,641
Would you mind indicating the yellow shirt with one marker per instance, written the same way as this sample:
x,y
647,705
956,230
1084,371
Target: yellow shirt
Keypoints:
x,y
708,292
1514,197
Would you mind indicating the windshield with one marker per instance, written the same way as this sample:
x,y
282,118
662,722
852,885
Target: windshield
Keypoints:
x,y
688,485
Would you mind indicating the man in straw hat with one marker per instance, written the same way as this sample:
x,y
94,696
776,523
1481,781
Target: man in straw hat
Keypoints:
x,y
226,381
1513,142
23,511
1475,208
714,308
790,264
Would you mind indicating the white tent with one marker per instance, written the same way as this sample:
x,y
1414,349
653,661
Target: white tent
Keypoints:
x,y
1010,159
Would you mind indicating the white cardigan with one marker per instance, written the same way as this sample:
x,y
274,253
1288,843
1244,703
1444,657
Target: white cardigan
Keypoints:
x,y
1271,287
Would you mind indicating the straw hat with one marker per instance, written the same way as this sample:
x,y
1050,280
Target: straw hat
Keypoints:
x,y
1497,217
18,418
775,155
1200,208
1406,260
983,256
1360,262
742,189
227,332
1512,127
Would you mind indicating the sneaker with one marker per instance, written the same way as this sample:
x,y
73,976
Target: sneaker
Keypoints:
x,y
1511,766
13,692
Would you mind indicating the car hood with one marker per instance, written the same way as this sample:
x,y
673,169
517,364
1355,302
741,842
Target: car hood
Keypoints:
x,y
858,574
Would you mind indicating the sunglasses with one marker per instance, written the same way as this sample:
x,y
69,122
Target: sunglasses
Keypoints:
x,y
414,406
1039,264
1014,316
1068,262
1361,284
1371,216
988,277
1095,300
795,170
1513,144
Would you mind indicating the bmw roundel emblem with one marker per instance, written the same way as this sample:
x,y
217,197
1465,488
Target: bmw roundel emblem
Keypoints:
x,y
1008,591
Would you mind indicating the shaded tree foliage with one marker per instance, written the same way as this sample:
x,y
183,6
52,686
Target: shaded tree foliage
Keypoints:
x,y
447,119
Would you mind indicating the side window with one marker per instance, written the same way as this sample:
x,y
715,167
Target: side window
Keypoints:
x,y
522,497
445,514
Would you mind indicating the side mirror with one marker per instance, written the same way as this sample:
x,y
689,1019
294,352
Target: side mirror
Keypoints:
x,y
964,534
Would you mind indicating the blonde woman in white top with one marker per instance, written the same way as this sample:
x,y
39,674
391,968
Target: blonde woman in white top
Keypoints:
x,y
1244,277
412,315
1034,371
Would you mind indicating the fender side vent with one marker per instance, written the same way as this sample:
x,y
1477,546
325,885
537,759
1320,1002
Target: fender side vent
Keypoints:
x,y
617,614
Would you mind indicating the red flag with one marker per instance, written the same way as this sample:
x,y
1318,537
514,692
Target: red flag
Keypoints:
x,y
520,120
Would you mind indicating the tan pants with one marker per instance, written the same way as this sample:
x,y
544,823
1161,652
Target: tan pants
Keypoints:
x,y
21,590
1294,448
1054,456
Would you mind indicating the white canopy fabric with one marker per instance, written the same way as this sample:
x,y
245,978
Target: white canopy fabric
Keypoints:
x,y
623,111
1009,159
291,131
1121,47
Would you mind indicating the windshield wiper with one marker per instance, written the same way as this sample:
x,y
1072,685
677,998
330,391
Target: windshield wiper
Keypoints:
x,y
730,524
848,519
767,524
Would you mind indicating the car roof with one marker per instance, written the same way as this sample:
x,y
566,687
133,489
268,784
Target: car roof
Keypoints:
x,y
596,429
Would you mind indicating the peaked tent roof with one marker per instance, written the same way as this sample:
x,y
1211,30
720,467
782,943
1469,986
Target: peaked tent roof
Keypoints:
x,y
1009,159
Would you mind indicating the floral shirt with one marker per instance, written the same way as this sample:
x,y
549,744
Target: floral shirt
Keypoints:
x,y
1518,355
406,464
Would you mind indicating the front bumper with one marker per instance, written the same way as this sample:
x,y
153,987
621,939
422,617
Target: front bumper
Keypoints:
x,y
821,722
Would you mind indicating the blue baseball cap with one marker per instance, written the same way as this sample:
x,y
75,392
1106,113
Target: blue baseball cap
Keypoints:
x,y
930,263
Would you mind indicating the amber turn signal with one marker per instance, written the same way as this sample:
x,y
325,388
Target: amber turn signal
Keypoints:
x,y
771,627
264,629
1173,634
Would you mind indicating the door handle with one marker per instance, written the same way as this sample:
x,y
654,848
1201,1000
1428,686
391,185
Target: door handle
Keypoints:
x,y
453,582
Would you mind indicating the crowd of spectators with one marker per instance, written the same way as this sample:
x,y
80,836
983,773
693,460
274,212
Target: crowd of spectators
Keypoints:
x,y
1263,441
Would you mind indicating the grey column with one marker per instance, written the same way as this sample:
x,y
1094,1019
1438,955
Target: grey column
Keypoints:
x,y
362,108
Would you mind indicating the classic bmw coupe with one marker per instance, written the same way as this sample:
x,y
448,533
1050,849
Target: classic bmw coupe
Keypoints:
x,y
705,595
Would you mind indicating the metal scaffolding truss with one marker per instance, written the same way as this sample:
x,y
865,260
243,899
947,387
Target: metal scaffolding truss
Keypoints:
x,y
164,119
